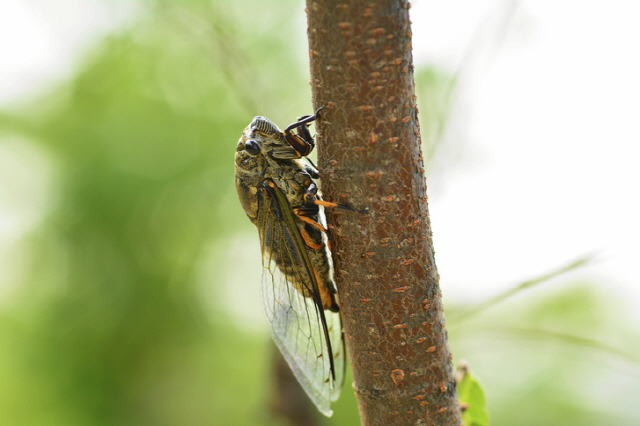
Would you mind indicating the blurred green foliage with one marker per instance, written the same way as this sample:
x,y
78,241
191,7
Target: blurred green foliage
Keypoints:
x,y
114,319
108,326
549,361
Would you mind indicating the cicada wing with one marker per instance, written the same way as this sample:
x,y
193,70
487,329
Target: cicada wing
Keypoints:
x,y
309,337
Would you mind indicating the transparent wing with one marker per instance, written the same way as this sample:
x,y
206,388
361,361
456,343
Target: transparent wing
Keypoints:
x,y
309,337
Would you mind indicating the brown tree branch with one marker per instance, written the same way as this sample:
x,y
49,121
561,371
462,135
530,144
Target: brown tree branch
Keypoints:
x,y
369,156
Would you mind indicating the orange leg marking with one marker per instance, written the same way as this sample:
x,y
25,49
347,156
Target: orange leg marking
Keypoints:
x,y
309,241
326,203
309,221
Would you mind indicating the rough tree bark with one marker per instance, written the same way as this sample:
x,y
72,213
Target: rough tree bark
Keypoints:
x,y
369,155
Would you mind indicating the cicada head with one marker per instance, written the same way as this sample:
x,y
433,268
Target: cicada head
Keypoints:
x,y
250,168
248,152
258,140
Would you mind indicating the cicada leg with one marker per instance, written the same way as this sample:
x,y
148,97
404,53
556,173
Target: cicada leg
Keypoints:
x,y
301,141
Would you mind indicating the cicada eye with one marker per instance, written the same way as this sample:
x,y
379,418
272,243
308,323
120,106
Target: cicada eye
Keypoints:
x,y
252,147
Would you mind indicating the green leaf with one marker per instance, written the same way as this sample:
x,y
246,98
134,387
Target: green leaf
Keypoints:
x,y
473,401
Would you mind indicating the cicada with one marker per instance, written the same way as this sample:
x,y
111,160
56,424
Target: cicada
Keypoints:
x,y
276,187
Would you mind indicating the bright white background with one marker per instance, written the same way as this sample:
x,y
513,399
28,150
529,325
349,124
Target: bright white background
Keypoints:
x,y
541,151
544,138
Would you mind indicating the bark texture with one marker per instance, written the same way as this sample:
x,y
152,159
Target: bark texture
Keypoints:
x,y
369,156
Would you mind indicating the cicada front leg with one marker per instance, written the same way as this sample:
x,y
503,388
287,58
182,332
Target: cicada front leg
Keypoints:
x,y
301,140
